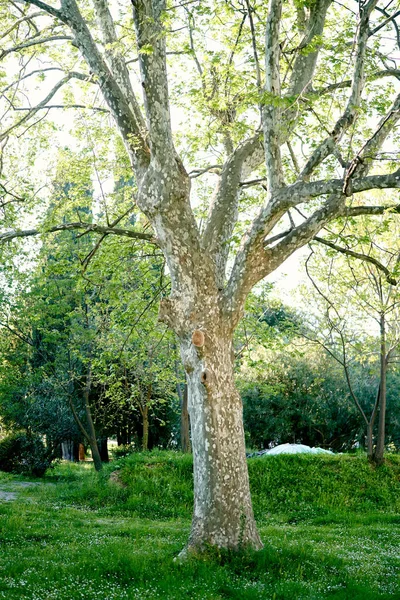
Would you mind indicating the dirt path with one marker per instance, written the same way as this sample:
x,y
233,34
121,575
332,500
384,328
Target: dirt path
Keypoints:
x,y
7,496
9,489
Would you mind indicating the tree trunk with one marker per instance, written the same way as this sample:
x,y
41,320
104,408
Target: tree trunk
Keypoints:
x,y
67,448
185,428
145,440
98,465
81,452
370,427
123,437
380,440
370,441
102,443
223,514
183,402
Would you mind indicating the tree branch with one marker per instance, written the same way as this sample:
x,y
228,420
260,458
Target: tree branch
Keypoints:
x,y
356,211
128,121
54,12
348,117
152,60
18,22
339,331
254,262
271,111
34,42
362,162
347,83
223,212
86,227
305,63
42,105
35,72
361,256
300,192
116,59
211,169
66,106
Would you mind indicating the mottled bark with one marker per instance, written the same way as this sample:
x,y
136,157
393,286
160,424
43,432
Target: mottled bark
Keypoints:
x,y
185,425
223,514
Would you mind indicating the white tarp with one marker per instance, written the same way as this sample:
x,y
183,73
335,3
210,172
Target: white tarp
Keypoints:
x,y
295,449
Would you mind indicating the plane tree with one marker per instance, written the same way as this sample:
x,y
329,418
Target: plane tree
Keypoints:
x,y
288,111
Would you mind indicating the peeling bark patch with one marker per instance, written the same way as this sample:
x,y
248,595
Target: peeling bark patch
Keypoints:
x,y
198,338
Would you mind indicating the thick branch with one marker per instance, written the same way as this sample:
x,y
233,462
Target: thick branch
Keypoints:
x,y
128,122
271,110
116,59
350,113
305,63
300,192
47,8
356,211
223,211
254,261
151,48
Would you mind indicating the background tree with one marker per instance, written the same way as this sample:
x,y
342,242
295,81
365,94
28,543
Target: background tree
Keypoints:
x,y
357,293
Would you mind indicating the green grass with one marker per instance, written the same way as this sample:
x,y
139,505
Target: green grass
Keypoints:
x,y
330,526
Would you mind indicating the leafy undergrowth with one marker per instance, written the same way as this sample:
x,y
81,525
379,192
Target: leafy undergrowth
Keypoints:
x,y
328,524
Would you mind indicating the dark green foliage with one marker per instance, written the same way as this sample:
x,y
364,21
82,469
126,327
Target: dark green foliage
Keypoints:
x,y
122,451
25,454
300,399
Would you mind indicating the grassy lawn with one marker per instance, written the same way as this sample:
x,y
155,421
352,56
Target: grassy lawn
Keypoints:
x,y
330,528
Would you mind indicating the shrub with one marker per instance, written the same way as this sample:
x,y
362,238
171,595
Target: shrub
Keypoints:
x,y
24,454
122,451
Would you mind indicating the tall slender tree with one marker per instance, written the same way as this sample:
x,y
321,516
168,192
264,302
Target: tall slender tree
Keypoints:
x,y
357,292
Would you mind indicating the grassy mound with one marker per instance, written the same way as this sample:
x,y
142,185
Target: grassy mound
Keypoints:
x,y
293,488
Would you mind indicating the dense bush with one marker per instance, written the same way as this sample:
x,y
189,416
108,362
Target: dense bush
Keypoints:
x,y
122,450
294,398
25,454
